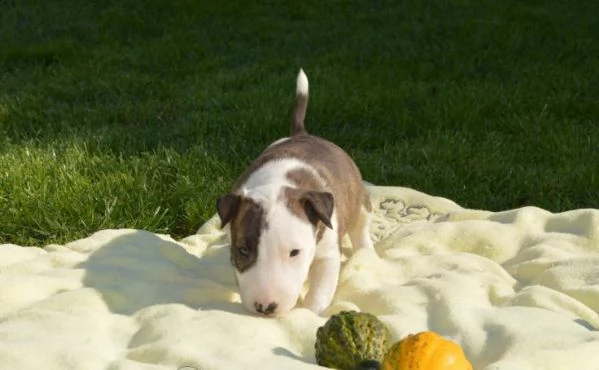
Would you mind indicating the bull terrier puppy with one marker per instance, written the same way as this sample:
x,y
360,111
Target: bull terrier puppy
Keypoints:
x,y
287,214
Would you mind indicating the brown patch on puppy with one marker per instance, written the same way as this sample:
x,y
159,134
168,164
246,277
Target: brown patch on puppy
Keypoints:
x,y
320,232
247,224
299,114
291,196
337,174
313,206
293,200
305,180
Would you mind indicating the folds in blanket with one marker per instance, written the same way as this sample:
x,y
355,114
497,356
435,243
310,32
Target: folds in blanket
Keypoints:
x,y
136,269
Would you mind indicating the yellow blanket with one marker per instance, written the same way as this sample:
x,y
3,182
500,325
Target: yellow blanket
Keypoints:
x,y
517,290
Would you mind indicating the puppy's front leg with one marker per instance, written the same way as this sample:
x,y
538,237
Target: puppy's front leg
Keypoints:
x,y
324,275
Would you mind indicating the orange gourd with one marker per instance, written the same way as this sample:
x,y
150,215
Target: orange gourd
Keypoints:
x,y
425,351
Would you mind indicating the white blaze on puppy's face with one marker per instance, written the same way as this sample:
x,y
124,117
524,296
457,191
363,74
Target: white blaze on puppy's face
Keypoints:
x,y
272,285
275,225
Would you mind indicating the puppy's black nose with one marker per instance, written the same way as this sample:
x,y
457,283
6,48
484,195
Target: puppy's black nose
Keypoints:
x,y
266,309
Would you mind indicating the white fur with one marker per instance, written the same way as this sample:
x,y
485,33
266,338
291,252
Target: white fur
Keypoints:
x,y
324,271
277,277
279,141
302,83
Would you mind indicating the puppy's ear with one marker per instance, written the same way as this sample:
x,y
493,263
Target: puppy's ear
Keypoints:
x,y
227,207
318,206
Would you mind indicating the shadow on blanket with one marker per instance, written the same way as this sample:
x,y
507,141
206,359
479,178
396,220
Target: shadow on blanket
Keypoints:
x,y
140,269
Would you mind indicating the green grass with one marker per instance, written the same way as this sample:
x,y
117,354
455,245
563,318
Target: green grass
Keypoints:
x,y
139,113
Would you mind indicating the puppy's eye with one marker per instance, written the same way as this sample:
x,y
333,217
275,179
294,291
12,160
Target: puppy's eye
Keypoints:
x,y
244,251
294,252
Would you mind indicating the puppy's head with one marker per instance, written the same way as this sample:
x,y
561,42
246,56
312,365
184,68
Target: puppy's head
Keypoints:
x,y
273,241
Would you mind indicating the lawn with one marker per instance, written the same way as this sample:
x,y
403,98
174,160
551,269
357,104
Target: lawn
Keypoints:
x,y
139,114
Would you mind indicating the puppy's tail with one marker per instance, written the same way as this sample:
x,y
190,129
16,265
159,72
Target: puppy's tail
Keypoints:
x,y
301,104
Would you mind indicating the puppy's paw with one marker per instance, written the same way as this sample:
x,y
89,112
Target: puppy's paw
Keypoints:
x,y
318,306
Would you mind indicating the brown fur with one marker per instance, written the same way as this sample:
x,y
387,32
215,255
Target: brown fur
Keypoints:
x,y
337,174
299,114
341,176
246,228
295,200
305,180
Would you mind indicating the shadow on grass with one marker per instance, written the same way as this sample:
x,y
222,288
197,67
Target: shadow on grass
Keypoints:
x,y
139,269
128,77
